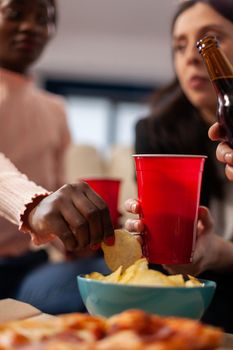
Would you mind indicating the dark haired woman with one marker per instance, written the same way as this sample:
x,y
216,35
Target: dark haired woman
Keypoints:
x,y
180,118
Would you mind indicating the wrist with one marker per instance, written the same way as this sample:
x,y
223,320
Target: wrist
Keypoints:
x,y
25,222
223,261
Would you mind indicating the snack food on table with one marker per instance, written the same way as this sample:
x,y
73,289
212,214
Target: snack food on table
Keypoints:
x,y
130,330
125,251
140,274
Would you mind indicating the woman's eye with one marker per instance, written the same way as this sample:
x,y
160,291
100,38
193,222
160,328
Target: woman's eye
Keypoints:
x,y
43,20
13,14
179,48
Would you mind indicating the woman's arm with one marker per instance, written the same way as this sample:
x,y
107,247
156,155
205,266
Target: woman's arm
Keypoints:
x,y
16,191
74,213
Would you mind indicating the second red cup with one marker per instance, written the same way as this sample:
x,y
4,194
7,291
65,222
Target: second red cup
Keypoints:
x,y
108,189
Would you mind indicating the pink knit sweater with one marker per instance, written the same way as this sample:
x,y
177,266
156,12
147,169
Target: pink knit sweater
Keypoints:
x,y
16,192
33,136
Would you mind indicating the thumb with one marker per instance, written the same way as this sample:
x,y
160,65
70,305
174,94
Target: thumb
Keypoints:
x,y
205,220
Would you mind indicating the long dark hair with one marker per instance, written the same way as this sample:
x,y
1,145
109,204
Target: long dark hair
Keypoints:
x,y
223,7
176,126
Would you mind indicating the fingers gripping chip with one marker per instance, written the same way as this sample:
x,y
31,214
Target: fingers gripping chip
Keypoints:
x,y
125,251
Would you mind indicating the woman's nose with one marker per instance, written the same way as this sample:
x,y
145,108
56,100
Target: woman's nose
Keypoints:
x,y
29,24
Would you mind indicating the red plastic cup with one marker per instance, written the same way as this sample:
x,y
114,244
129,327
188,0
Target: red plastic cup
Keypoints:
x,y
169,192
108,189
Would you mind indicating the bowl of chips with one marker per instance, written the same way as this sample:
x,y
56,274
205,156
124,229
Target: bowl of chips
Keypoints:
x,y
148,290
132,285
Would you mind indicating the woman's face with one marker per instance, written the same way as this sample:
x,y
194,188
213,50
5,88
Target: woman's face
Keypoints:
x,y
25,28
190,26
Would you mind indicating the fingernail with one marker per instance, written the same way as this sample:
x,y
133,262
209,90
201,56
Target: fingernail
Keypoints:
x,y
109,240
228,157
134,207
95,246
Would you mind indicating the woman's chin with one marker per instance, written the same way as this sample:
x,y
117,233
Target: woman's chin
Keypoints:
x,y
203,101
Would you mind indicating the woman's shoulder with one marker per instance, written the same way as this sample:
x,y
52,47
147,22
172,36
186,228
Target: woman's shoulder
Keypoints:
x,y
54,99
141,122
142,127
51,101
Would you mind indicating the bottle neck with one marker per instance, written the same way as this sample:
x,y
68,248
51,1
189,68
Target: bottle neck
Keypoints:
x,y
217,64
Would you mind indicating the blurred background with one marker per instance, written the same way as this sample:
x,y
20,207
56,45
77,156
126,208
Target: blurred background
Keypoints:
x,y
107,58
108,55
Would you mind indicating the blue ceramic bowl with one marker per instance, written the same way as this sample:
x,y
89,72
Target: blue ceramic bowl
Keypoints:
x,y
107,299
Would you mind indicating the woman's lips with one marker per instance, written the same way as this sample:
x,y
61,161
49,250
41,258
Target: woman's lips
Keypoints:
x,y
197,82
27,45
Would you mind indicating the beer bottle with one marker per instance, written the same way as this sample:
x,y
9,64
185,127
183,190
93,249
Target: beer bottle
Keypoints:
x,y
220,72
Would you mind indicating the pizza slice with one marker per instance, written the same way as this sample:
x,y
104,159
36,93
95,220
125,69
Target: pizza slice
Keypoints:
x,y
130,330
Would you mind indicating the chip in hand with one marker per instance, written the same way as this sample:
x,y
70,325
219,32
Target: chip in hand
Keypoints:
x,y
125,251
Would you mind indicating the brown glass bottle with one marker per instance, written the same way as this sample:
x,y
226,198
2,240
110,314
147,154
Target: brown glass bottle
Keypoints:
x,y
221,74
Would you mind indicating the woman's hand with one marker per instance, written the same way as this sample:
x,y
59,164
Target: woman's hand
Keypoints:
x,y
133,225
76,215
224,152
206,253
211,251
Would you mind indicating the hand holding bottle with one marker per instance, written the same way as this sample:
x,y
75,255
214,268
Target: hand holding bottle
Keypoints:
x,y
220,73
224,152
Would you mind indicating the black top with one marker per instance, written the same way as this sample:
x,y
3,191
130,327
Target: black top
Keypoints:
x,y
161,136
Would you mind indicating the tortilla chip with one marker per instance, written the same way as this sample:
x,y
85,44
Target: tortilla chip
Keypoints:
x,y
178,280
192,282
125,251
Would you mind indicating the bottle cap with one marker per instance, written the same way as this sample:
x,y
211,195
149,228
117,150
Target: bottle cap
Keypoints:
x,y
207,42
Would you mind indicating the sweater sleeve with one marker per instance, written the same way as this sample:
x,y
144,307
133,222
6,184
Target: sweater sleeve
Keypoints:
x,y
17,193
